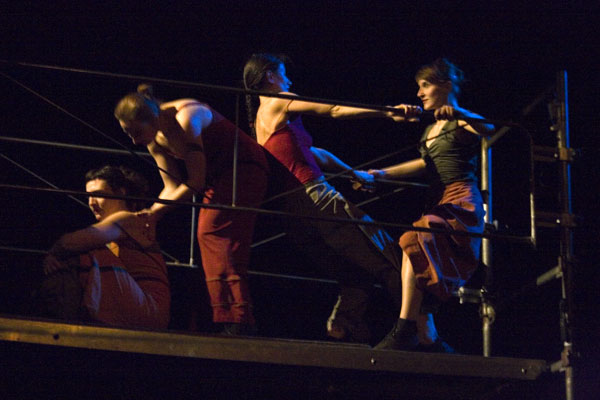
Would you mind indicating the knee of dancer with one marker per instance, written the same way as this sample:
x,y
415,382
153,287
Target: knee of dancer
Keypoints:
x,y
409,241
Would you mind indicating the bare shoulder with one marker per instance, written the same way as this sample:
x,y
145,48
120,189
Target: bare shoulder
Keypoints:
x,y
192,115
137,226
277,104
120,218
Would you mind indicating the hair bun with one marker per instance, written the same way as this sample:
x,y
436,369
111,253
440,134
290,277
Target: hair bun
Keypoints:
x,y
145,90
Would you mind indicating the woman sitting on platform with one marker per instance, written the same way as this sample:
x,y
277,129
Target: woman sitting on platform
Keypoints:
x,y
436,263
111,272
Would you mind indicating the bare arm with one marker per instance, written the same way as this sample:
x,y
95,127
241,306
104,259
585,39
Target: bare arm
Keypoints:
x,y
95,236
406,169
478,128
169,170
195,163
342,112
188,127
329,162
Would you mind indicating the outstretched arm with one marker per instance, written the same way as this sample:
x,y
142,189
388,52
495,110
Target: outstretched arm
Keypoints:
x,y
329,162
405,112
406,169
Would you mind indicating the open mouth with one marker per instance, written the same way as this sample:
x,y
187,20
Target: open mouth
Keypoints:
x,y
97,212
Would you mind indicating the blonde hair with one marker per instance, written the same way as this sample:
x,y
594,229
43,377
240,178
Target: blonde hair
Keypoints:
x,y
138,106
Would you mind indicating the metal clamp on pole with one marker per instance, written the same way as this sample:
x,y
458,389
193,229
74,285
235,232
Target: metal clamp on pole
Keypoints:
x,y
487,313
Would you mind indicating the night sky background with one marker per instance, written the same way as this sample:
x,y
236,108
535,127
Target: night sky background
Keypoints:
x,y
340,50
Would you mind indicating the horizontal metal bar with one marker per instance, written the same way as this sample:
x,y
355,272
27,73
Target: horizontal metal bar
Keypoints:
x,y
404,227
72,146
185,265
237,90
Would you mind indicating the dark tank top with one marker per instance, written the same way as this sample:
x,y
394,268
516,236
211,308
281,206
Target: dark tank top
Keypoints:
x,y
452,156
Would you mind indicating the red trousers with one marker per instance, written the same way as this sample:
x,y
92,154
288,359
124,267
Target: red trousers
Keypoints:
x,y
224,237
112,296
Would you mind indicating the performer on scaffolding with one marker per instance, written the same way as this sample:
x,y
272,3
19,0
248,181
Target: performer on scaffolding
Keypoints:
x,y
111,272
195,133
360,253
433,263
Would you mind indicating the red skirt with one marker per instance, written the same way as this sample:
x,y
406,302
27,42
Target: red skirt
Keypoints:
x,y
442,263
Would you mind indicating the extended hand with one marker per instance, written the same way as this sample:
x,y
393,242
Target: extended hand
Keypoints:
x,y
406,112
445,112
147,224
363,181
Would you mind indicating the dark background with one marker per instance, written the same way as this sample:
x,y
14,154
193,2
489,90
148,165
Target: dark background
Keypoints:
x,y
369,54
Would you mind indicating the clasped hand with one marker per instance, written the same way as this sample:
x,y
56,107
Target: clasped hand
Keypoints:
x,y
406,112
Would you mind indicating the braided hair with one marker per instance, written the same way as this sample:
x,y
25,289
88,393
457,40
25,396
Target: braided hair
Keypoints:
x,y
254,74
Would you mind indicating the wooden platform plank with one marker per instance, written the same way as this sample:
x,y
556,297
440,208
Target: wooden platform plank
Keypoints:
x,y
266,350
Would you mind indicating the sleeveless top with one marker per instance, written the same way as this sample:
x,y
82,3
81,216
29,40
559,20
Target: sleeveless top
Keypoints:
x,y
291,146
218,140
452,156
142,263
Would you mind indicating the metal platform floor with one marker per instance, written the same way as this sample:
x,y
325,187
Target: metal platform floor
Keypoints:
x,y
46,359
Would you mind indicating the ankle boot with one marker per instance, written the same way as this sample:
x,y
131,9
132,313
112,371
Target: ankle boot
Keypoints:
x,y
403,336
346,321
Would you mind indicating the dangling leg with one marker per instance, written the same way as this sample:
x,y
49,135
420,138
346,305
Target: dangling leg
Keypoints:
x,y
346,320
359,264
413,331
403,335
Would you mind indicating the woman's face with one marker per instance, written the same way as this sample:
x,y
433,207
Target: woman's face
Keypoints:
x,y
279,79
102,207
140,132
433,95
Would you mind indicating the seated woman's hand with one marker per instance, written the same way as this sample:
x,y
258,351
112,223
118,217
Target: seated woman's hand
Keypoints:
x,y
52,264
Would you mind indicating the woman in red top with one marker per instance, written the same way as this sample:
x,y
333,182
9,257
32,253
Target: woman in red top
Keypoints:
x,y
359,250
193,132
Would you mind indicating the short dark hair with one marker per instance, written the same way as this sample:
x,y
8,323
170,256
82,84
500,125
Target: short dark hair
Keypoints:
x,y
442,71
125,179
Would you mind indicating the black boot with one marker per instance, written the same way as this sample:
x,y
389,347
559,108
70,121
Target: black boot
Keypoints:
x,y
402,337
439,346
